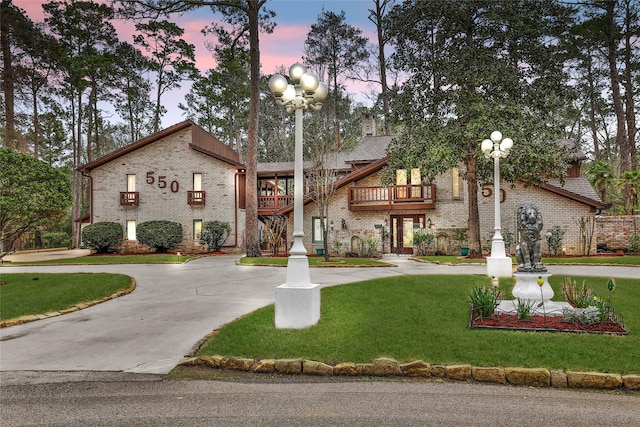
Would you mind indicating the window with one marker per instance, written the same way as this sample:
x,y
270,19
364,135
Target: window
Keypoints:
x,y
316,233
197,182
455,183
197,229
131,183
131,230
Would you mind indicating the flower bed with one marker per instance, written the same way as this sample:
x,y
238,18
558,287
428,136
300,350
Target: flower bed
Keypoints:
x,y
540,323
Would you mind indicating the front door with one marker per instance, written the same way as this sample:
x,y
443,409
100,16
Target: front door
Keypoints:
x,y
402,228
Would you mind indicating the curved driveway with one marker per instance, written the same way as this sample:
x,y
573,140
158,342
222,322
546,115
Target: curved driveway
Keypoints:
x,y
176,305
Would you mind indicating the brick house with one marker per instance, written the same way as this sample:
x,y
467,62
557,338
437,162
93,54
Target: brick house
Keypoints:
x,y
185,175
180,174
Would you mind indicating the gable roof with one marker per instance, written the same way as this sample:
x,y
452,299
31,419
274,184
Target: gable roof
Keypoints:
x,y
201,141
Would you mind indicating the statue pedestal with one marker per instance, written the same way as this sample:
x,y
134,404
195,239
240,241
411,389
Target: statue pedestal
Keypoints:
x,y
527,287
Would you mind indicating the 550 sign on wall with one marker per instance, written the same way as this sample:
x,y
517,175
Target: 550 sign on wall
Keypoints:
x,y
161,182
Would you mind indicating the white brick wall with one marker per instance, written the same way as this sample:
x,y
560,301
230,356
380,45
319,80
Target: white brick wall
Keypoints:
x,y
172,158
450,214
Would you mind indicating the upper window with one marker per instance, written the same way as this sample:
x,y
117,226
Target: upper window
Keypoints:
x,y
131,183
197,182
455,183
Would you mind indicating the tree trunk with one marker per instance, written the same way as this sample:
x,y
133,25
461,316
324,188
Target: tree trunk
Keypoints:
x,y
7,74
629,92
474,213
382,62
252,242
621,134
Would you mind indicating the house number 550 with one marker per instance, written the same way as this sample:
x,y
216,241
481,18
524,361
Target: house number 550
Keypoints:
x,y
174,186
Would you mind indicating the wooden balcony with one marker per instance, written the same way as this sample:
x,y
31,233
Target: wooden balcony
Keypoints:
x,y
129,198
399,197
196,198
267,205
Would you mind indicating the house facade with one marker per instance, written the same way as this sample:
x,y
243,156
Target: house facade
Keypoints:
x,y
180,174
185,175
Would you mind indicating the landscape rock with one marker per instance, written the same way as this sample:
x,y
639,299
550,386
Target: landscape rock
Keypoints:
x,y
416,368
345,368
236,364
594,380
458,372
631,382
311,367
559,379
382,366
488,375
438,371
528,376
289,366
265,366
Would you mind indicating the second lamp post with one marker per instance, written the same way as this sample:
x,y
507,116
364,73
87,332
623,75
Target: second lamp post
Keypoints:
x,y
298,300
498,263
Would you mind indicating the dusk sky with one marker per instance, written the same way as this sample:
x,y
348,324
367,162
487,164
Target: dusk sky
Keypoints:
x,y
284,46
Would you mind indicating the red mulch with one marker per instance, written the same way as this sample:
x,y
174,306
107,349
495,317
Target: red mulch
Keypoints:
x,y
539,323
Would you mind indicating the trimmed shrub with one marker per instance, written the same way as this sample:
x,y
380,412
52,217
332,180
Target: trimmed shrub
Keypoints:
x,y
56,240
214,234
102,236
159,235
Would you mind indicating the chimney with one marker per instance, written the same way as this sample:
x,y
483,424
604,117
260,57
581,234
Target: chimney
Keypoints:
x,y
368,125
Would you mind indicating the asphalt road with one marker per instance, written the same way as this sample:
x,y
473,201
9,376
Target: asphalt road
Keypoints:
x,y
124,399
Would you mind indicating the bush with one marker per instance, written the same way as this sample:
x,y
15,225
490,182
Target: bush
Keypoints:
x,y
159,235
484,300
102,236
634,243
422,240
556,238
56,240
368,246
214,234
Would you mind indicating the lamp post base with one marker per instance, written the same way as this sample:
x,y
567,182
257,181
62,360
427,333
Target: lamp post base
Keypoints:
x,y
297,307
499,266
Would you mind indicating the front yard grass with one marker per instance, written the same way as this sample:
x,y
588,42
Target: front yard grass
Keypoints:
x,y
427,318
24,294
590,260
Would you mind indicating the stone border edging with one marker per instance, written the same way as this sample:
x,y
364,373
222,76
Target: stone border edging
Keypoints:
x,y
533,377
80,306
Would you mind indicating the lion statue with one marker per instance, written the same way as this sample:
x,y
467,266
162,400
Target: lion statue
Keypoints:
x,y
528,250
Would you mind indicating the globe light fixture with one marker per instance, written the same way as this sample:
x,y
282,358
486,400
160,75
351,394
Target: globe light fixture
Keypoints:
x,y
498,263
297,302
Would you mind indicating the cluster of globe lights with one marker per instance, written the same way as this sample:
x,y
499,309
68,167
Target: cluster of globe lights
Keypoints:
x,y
290,95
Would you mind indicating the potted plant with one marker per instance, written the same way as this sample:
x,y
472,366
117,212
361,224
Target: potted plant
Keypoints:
x,y
461,236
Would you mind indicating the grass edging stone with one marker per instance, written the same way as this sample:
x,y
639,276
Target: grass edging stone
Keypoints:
x,y
385,367
80,306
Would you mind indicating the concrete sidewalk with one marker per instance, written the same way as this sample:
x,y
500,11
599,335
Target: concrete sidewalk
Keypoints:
x,y
45,254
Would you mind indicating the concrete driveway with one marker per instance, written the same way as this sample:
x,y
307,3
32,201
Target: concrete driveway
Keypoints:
x,y
173,307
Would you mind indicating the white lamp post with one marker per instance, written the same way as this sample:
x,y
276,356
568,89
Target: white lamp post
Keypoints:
x,y
498,263
298,300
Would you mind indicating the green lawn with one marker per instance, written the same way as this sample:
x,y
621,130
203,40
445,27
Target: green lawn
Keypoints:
x,y
36,293
426,318
593,260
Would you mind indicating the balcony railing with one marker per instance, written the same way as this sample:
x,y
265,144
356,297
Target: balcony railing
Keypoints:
x,y
129,198
270,204
196,198
392,198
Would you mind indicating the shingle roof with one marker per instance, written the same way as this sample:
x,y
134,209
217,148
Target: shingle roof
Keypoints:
x,y
578,189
